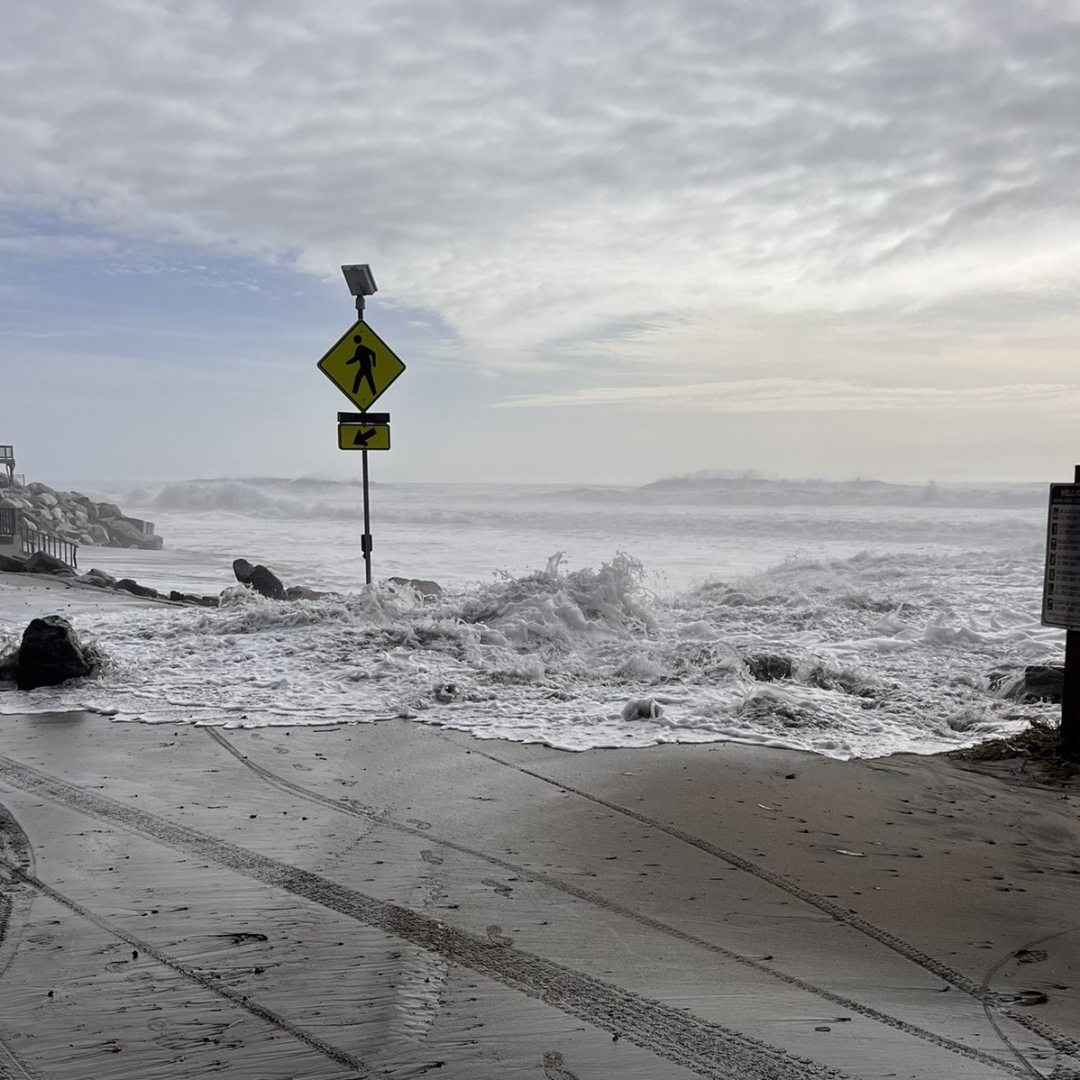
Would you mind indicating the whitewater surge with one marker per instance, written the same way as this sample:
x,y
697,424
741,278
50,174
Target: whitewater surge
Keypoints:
x,y
856,656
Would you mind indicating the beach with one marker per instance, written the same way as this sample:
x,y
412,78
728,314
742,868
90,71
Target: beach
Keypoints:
x,y
395,900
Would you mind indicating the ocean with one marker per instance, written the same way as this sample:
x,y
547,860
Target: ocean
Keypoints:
x,y
849,619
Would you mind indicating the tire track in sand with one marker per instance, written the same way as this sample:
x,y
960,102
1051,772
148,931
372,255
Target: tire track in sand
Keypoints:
x,y
15,851
12,1067
707,1049
207,982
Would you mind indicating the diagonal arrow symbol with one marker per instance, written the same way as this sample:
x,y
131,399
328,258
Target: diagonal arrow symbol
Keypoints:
x,y
362,438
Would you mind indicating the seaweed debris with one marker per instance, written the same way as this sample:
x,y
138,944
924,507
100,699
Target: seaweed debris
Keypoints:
x,y
1040,744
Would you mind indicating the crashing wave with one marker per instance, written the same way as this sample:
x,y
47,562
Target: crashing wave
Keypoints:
x,y
847,657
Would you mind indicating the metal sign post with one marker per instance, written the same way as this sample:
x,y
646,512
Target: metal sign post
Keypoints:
x,y
365,538
364,431
1070,696
1061,598
361,365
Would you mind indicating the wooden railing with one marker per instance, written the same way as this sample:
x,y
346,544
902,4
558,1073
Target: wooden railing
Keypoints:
x,y
31,540
57,546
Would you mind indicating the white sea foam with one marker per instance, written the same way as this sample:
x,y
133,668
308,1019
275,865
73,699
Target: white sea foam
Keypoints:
x,y
892,621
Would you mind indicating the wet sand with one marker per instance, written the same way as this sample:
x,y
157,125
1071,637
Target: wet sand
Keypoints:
x,y
396,900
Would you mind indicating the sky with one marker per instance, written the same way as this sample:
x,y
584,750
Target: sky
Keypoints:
x,y
613,241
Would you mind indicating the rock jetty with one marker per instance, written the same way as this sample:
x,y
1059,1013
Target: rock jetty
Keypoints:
x,y
75,517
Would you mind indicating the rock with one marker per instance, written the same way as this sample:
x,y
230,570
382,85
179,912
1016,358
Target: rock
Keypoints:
x,y
263,581
768,667
98,578
12,564
243,571
42,563
299,592
51,653
1037,682
133,587
124,533
429,590
188,598
266,583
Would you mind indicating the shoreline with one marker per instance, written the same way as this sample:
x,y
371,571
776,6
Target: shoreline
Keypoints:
x,y
391,895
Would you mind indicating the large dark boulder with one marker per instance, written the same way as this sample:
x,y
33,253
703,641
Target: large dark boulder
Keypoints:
x,y
41,562
1037,682
51,653
133,587
13,564
263,581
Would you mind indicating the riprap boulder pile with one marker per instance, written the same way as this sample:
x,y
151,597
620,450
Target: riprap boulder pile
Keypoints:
x,y
77,518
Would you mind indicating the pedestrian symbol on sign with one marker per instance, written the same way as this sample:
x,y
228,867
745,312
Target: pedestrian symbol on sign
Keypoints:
x,y
361,365
364,359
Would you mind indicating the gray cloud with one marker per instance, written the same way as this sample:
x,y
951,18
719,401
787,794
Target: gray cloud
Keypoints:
x,y
805,395
539,173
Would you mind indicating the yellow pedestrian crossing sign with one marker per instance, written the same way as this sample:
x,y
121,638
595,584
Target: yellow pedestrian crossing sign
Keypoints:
x,y
363,436
361,365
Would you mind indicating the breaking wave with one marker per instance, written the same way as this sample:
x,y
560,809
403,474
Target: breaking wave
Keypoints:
x,y
859,656
278,499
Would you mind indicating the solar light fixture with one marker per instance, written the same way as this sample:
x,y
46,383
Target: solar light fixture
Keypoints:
x,y
361,282
360,279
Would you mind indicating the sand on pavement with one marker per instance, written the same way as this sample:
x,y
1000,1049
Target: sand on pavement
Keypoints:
x,y
397,900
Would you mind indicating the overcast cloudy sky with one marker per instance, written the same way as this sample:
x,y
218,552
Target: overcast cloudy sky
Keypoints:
x,y
613,240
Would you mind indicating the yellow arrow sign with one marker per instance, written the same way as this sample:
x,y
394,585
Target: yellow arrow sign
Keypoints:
x,y
361,365
363,436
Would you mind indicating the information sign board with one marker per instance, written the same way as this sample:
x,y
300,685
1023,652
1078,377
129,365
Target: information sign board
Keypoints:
x,y
363,436
1061,582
